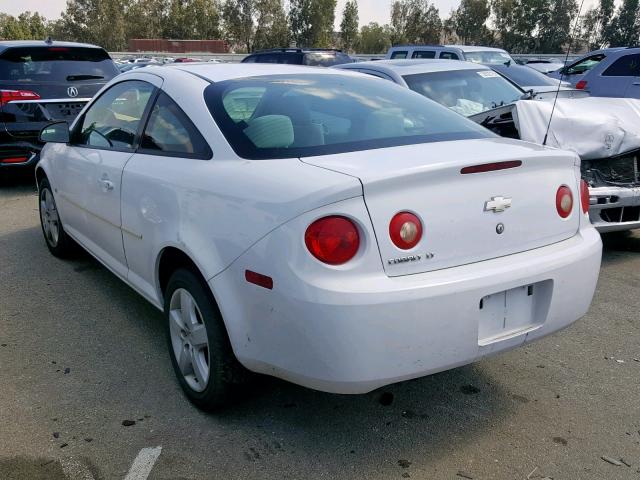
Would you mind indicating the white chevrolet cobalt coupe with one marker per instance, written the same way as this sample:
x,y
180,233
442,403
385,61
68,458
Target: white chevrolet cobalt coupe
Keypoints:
x,y
324,227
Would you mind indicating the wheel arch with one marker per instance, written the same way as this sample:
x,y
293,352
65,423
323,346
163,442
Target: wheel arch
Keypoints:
x,y
40,175
171,258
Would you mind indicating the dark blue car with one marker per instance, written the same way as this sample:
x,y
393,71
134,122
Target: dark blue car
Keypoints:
x,y
42,82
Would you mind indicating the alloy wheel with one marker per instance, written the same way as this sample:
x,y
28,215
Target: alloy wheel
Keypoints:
x,y
49,217
189,339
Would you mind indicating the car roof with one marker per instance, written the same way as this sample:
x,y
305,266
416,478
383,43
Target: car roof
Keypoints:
x,y
476,48
296,50
411,67
5,45
219,72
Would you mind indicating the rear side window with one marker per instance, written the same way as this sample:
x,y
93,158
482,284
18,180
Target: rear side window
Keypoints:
x,y
423,54
584,65
627,66
170,132
56,64
112,122
289,116
449,56
399,54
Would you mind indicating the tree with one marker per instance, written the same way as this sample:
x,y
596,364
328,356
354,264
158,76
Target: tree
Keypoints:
x,y
256,24
469,21
556,27
272,28
238,22
415,21
146,19
28,26
311,22
192,20
603,24
625,27
374,38
95,21
349,25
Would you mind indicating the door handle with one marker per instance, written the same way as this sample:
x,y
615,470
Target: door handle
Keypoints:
x,y
636,83
107,185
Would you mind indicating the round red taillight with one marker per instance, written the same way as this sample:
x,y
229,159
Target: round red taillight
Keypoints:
x,y
405,230
564,201
333,240
584,196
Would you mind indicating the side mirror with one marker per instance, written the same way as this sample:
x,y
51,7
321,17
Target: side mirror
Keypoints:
x,y
55,133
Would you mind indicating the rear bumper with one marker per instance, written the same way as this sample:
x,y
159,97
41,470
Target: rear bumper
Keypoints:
x,y
355,335
12,148
614,208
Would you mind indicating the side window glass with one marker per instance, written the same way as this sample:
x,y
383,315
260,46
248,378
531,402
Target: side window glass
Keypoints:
x,y
114,119
627,66
398,54
449,56
250,59
169,131
423,54
585,65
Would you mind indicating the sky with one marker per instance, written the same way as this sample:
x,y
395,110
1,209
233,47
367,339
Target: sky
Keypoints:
x,y
370,10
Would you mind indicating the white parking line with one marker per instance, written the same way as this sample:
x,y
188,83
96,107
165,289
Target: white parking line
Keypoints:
x,y
143,464
75,470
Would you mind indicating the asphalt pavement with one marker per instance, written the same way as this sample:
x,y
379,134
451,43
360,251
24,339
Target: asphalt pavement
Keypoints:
x,y
87,391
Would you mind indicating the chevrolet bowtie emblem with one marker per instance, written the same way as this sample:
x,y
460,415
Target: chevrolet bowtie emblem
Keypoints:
x,y
497,204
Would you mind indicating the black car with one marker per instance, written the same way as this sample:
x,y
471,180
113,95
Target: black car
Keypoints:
x,y
314,57
42,82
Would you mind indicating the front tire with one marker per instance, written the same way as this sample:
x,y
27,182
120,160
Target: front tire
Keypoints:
x,y
199,347
57,240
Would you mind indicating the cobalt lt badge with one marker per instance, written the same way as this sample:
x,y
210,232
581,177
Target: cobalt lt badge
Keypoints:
x,y
500,228
72,92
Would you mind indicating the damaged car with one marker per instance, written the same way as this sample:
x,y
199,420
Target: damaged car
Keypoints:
x,y
605,133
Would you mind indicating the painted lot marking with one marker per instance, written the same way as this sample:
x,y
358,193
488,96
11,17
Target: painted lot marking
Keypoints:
x,y
140,469
143,463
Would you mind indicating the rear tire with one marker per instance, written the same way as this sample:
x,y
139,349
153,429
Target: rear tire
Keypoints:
x,y
199,347
58,242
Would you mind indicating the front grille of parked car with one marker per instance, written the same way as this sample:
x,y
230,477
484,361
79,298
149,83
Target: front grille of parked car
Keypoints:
x,y
622,170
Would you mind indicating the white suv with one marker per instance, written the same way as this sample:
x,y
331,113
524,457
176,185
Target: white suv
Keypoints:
x,y
450,52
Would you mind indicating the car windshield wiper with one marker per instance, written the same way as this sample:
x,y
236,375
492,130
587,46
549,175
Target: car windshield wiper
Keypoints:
x,y
73,78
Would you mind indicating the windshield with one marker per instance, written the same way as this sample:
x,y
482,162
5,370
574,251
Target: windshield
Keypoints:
x,y
284,116
489,56
56,64
525,76
467,92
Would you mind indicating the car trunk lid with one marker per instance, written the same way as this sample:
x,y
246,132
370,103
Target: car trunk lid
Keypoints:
x,y
459,225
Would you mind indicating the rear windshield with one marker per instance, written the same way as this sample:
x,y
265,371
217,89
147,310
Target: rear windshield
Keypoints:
x,y
56,64
489,56
467,92
285,116
525,76
326,59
